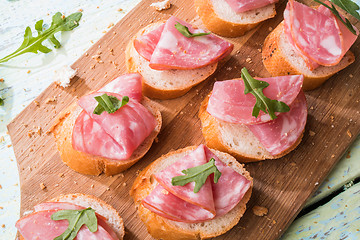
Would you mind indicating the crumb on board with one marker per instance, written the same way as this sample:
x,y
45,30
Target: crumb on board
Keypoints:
x,y
163,5
49,100
260,211
92,186
311,133
63,76
124,184
61,175
42,186
349,133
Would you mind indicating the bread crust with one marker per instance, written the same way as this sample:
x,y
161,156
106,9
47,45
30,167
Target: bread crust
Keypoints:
x,y
277,64
213,139
148,89
94,165
162,228
70,198
205,10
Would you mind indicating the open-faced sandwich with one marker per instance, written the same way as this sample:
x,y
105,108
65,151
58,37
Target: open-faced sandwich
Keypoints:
x,y
310,41
192,193
72,216
233,18
255,119
108,130
173,56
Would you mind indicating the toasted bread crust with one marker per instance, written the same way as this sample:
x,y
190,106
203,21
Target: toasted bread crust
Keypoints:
x,y
94,165
277,64
148,89
70,198
162,228
213,138
205,10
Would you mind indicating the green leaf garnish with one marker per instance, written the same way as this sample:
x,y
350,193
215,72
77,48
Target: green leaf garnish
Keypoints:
x,y
349,6
255,87
1,101
185,31
109,104
198,175
35,44
76,219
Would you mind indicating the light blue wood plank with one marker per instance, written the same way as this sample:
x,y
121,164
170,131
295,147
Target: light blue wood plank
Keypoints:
x,y
338,219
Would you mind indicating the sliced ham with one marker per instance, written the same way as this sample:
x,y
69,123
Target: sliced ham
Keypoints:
x,y
229,103
230,188
39,225
146,43
316,34
240,6
129,126
175,51
280,134
204,197
126,85
167,205
223,195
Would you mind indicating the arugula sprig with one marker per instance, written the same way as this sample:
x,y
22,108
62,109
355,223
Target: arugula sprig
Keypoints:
x,y
347,5
109,104
76,219
35,44
185,31
256,87
198,175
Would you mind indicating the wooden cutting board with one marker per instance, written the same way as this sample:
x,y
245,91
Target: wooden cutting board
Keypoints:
x,y
282,186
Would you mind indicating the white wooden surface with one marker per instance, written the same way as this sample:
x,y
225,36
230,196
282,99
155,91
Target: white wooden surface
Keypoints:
x,y
28,75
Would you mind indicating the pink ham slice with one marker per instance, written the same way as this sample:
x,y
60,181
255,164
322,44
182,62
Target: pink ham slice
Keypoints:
x,y
39,225
226,194
129,126
229,103
282,133
204,197
175,51
240,6
146,43
230,188
126,85
167,205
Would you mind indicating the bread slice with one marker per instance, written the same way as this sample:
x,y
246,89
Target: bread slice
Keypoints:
x,y
94,165
113,218
236,139
164,84
280,58
219,17
162,228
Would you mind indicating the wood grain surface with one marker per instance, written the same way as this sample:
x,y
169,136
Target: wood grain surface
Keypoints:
x,y
281,185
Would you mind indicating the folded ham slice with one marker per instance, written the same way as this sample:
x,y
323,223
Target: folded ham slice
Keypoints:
x,y
316,34
39,225
229,103
240,6
179,203
117,135
166,48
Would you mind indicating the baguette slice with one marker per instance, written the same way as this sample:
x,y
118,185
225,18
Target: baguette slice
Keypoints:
x,y
235,139
162,228
280,58
164,84
114,219
94,165
219,18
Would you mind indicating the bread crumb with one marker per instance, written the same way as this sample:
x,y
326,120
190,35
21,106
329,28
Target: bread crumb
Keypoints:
x,y
332,118
1,208
31,150
42,186
61,175
124,184
121,175
0,186
163,5
248,60
259,49
3,225
292,164
332,156
108,189
260,211
92,186
270,29
49,100
8,146
63,76
110,25
165,192
311,133
349,133
120,9
1,80
351,76
28,71
2,139
36,103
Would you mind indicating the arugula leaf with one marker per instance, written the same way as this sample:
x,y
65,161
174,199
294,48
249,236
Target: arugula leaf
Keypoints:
x,y
35,44
76,219
185,31
349,6
198,175
109,104
1,101
255,87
